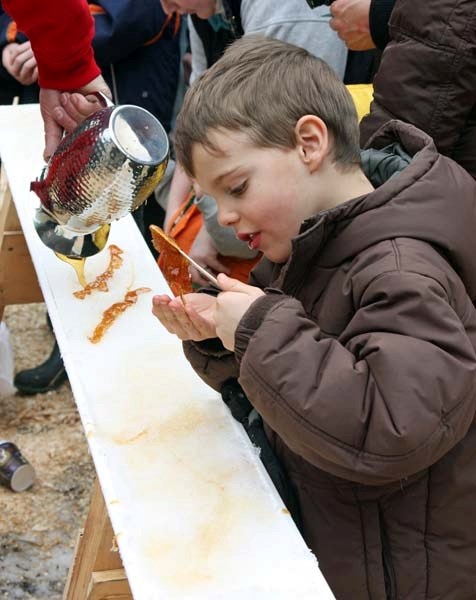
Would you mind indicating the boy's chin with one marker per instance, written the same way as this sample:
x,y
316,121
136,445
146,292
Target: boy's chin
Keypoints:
x,y
277,255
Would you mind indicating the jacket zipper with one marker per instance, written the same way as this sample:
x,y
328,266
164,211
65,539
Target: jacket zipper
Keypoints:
x,y
388,570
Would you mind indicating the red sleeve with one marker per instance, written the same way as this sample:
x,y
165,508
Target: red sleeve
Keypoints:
x,y
60,32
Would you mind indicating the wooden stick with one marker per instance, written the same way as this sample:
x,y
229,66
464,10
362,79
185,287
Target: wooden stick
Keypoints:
x,y
199,268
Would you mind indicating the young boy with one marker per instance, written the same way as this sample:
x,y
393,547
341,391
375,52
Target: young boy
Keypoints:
x,y
212,27
356,339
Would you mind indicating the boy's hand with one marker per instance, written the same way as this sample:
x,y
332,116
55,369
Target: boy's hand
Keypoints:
x,y
232,303
191,317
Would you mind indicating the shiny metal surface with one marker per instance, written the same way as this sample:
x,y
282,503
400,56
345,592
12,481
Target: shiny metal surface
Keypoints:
x,y
99,173
67,242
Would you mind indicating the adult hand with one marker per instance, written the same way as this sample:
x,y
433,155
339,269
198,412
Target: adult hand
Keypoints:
x,y
20,62
232,303
63,111
167,6
190,317
350,19
204,252
179,190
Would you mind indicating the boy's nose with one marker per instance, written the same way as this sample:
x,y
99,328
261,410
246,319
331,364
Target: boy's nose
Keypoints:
x,y
226,217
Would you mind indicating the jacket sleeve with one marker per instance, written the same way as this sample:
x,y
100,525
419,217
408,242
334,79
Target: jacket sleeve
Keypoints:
x,y
212,362
122,26
426,75
5,22
379,17
388,398
8,32
60,32
199,59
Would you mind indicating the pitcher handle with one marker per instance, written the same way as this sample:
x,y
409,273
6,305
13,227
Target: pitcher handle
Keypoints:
x,y
103,98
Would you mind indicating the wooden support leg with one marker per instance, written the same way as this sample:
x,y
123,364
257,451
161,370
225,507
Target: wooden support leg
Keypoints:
x,y
96,572
18,281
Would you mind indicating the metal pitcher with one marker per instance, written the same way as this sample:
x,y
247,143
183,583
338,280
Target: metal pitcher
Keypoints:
x,y
106,168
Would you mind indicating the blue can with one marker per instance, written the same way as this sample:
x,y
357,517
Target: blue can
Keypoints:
x,y
15,471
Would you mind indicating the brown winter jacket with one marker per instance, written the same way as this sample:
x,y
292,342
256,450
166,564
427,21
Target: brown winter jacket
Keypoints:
x,y
427,75
361,360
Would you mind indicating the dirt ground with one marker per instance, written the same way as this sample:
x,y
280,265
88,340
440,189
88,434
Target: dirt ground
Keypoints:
x,y
38,527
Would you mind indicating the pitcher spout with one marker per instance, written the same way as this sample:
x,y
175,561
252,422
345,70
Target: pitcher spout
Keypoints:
x,y
41,190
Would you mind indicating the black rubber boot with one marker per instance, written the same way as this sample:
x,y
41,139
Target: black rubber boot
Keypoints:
x,y
47,376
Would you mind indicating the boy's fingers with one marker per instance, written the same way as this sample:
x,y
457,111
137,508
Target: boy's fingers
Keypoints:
x,y
184,327
190,323
173,317
161,299
228,284
168,320
181,317
199,322
180,320
161,310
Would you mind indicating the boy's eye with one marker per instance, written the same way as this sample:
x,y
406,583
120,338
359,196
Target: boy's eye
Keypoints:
x,y
239,189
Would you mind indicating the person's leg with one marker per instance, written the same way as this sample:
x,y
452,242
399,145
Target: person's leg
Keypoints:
x,y
153,215
47,376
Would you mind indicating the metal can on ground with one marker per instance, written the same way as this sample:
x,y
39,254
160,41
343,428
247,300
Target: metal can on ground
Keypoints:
x,y
15,471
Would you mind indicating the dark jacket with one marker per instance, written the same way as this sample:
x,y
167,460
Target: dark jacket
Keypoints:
x,y
138,53
361,359
379,17
9,86
427,76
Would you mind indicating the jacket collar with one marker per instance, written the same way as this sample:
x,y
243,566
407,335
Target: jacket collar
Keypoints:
x,y
345,230
332,236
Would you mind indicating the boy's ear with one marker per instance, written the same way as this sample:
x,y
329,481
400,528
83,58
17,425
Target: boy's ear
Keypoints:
x,y
312,140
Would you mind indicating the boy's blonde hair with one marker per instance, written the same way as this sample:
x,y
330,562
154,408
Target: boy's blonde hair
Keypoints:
x,y
262,87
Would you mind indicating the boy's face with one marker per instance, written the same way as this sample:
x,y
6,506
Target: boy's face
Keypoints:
x,y
263,193
202,8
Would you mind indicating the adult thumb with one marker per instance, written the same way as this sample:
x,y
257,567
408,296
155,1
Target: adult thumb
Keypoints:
x,y
53,136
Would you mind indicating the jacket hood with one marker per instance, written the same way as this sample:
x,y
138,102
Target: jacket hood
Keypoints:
x,y
431,198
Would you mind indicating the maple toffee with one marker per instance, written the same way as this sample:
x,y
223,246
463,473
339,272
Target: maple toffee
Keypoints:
x,y
78,266
100,283
113,312
174,265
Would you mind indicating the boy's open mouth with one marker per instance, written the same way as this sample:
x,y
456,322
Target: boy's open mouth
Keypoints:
x,y
252,239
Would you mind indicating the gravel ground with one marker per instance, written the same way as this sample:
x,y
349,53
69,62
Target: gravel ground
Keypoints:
x,y
38,527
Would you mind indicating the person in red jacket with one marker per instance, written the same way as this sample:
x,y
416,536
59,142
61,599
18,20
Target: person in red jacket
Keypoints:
x,y
137,48
60,32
